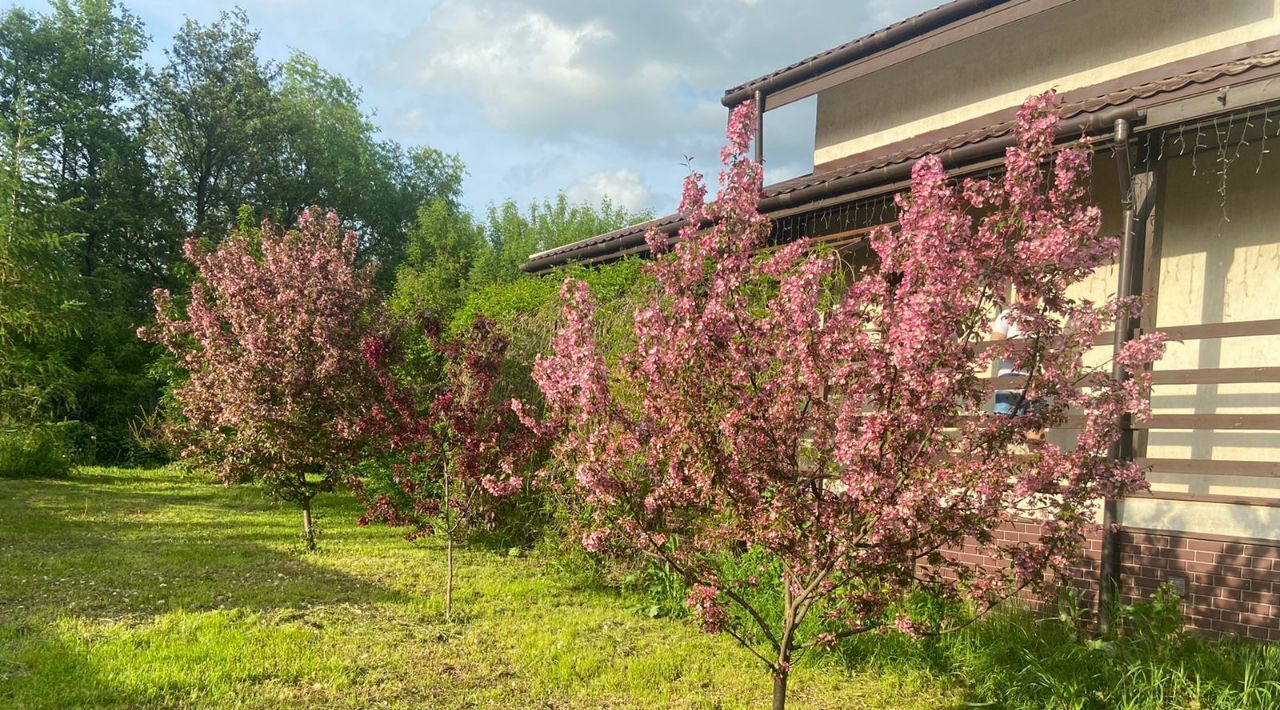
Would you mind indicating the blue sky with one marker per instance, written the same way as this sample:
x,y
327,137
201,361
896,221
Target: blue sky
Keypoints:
x,y
588,97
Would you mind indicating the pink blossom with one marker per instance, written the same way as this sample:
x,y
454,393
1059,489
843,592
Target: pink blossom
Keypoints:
x,y
270,342
906,625
841,428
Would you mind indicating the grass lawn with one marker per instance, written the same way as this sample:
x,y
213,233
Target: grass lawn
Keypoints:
x,y
139,588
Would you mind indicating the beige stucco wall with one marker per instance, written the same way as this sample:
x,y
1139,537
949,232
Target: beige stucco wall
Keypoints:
x,y
1221,264
1081,44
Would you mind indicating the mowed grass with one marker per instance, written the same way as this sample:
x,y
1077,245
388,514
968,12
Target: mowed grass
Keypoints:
x,y
142,588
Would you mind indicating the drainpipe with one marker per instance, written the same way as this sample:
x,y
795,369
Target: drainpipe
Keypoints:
x,y
1109,574
759,101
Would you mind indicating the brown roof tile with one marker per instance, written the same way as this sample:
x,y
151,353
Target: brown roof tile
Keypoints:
x,y
1094,104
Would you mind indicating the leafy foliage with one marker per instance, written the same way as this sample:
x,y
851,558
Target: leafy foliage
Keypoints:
x,y
73,83
114,162
37,287
463,453
443,246
215,117
451,255
34,451
513,235
772,407
275,385
330,155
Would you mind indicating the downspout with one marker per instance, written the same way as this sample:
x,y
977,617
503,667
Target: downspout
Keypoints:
x,y
1109,574
759,100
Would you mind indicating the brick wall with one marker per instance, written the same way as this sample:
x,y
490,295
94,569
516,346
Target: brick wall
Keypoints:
x,y
1232,585
1229,585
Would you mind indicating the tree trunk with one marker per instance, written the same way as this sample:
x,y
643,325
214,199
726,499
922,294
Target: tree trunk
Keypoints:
x,y
308,531
448,577
793,614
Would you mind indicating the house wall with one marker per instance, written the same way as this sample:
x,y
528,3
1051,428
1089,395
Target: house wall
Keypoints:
x,y
1220,261
1221,257
1220,264
1079,44
1228,585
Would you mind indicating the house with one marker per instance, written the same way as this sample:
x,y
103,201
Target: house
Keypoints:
x,y
1182,99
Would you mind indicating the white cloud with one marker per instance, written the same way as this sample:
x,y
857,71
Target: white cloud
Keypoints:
x,y
624,188
579,88
535,94
512,59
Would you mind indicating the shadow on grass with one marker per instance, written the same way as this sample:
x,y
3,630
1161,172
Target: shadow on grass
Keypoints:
x,y
1014,660
31,652
109,546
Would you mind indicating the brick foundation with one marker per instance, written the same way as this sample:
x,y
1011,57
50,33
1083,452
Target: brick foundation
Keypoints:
x,y
1230,585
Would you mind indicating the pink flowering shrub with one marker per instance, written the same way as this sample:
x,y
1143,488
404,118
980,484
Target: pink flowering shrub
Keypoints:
x,y
776,408
460,453
275,385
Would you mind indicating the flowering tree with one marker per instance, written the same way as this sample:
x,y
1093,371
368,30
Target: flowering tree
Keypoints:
x,y
463,452
275,384
775,409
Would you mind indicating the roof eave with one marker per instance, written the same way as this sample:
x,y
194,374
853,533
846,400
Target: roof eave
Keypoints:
x,y
861,48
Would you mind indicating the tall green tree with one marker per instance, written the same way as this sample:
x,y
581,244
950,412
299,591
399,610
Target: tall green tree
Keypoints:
x,y
450,254
77,70
36,287
80,70
443,247
216,120
420,176
330,155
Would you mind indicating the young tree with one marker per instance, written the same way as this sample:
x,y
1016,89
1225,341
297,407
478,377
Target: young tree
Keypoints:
x,y
463,453
275,382
774,410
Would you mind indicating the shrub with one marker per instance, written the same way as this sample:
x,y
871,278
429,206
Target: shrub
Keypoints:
x,y
35,451
1013,659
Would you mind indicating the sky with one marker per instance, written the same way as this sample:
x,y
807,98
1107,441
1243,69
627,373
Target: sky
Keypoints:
x,y
592,98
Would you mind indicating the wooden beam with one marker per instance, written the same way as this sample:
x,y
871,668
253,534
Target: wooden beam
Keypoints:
x,y
1262,422
1215,467
1216,376
1256,501
1240,329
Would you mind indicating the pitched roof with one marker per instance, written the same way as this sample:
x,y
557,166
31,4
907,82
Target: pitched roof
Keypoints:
x,y
878,41
1075,114
860,164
